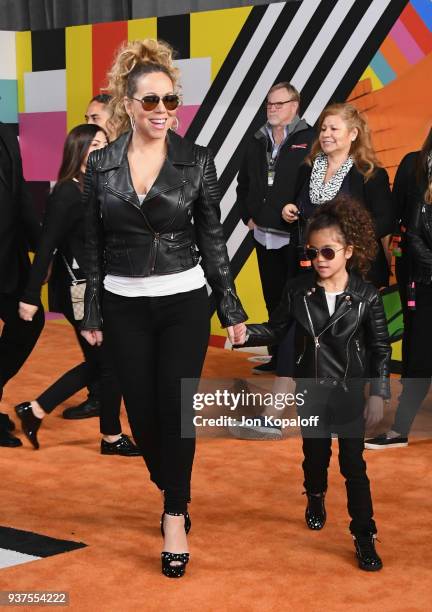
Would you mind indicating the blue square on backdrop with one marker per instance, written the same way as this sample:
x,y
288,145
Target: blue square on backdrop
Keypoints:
x,y
8,101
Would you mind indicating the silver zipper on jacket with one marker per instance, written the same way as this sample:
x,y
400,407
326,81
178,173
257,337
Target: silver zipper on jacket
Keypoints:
x,y
155,244
357,343
316,337
348,343
316,340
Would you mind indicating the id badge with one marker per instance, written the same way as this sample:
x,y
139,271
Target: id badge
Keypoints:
x,y
270,177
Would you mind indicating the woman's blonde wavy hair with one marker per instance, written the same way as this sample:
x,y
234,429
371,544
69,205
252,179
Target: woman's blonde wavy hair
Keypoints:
x,y
361,149
133,60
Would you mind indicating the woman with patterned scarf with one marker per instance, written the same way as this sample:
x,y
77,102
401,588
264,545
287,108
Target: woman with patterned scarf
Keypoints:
x,y
413,195
342,160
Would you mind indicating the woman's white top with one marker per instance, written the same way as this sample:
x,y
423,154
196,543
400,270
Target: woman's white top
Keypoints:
x,y
157,285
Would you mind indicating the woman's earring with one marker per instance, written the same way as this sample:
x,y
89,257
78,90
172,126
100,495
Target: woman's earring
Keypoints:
x,y
175,126
132,122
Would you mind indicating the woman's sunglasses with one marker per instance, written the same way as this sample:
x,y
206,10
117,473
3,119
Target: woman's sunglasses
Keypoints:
x,y
150,102
326,252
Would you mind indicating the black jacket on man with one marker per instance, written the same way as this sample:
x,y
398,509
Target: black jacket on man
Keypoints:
x,y
124,238
352,343
256,200
19,225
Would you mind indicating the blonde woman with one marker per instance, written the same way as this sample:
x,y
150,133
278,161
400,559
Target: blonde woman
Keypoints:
x,y
154,237
342,160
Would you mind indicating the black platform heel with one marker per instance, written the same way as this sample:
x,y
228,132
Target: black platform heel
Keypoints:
x,y
182,559
315,514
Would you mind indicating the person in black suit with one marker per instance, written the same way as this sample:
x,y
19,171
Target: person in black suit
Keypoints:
x,y
19,233
342,160
63,235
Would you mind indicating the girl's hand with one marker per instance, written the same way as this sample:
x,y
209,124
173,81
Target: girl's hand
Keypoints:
x,y
374,410
27,311
290,213
93,336
251,224
237,333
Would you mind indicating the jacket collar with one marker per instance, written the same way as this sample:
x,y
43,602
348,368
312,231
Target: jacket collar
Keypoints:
x,y
180,152
299,126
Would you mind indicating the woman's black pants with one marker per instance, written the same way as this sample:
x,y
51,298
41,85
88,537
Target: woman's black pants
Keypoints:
x,y
96,367
155,342
339,412
417,361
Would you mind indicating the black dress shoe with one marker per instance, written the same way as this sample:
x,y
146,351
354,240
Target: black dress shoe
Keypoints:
x,y
7,439
315,514
85,410
124,446
366,554
29,422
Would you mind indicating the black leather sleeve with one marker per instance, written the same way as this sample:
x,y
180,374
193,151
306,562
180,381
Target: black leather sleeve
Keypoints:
x,y
378,344
94,249
212,246
419,249
267,334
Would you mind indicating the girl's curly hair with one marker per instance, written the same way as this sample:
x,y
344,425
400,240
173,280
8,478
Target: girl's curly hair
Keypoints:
x,y
354,223
133,60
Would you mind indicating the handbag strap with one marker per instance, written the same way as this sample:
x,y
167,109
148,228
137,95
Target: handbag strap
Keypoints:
x,y
75,280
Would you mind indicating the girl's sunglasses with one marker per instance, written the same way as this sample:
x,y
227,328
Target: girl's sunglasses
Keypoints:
x,y
150,102
326,252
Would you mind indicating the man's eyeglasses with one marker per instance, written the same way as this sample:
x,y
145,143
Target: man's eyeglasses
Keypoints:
x,y
326,252
278,105
150,102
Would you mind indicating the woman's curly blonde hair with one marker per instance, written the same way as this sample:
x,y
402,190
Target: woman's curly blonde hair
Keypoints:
x,y
354,223
361,149
133,60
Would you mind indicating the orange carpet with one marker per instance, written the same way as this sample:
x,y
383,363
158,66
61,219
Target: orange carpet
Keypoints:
x,y
250,548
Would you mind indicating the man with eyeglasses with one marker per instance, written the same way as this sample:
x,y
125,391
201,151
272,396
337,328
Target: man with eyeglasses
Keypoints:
x,y
266,182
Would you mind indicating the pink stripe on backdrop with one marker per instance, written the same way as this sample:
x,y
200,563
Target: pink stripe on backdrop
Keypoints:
x,y
406,43
42,137
185,115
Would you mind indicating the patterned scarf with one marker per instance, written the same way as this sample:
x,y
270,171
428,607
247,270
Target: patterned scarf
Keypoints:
x,y
321,192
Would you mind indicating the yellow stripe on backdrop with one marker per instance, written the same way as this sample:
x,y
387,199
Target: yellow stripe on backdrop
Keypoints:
x,y
79,73
212,33
23,64
138,29
370,73
249,290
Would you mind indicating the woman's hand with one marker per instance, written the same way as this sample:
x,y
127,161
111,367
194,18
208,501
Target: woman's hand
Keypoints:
x,y
27,311
93,336
237,333
374,410
251,224
290,213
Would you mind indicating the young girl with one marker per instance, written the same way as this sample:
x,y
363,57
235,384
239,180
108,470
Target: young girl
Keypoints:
x,y
342,336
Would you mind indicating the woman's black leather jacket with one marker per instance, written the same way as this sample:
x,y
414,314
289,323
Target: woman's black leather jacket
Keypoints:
x,y
177,224
420,242
353,343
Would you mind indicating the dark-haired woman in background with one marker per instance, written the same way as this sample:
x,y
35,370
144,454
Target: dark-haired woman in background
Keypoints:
x,y
413,195
63,236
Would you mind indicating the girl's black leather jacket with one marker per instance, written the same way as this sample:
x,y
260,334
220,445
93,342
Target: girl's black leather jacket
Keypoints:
x,y
177,224
353,343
